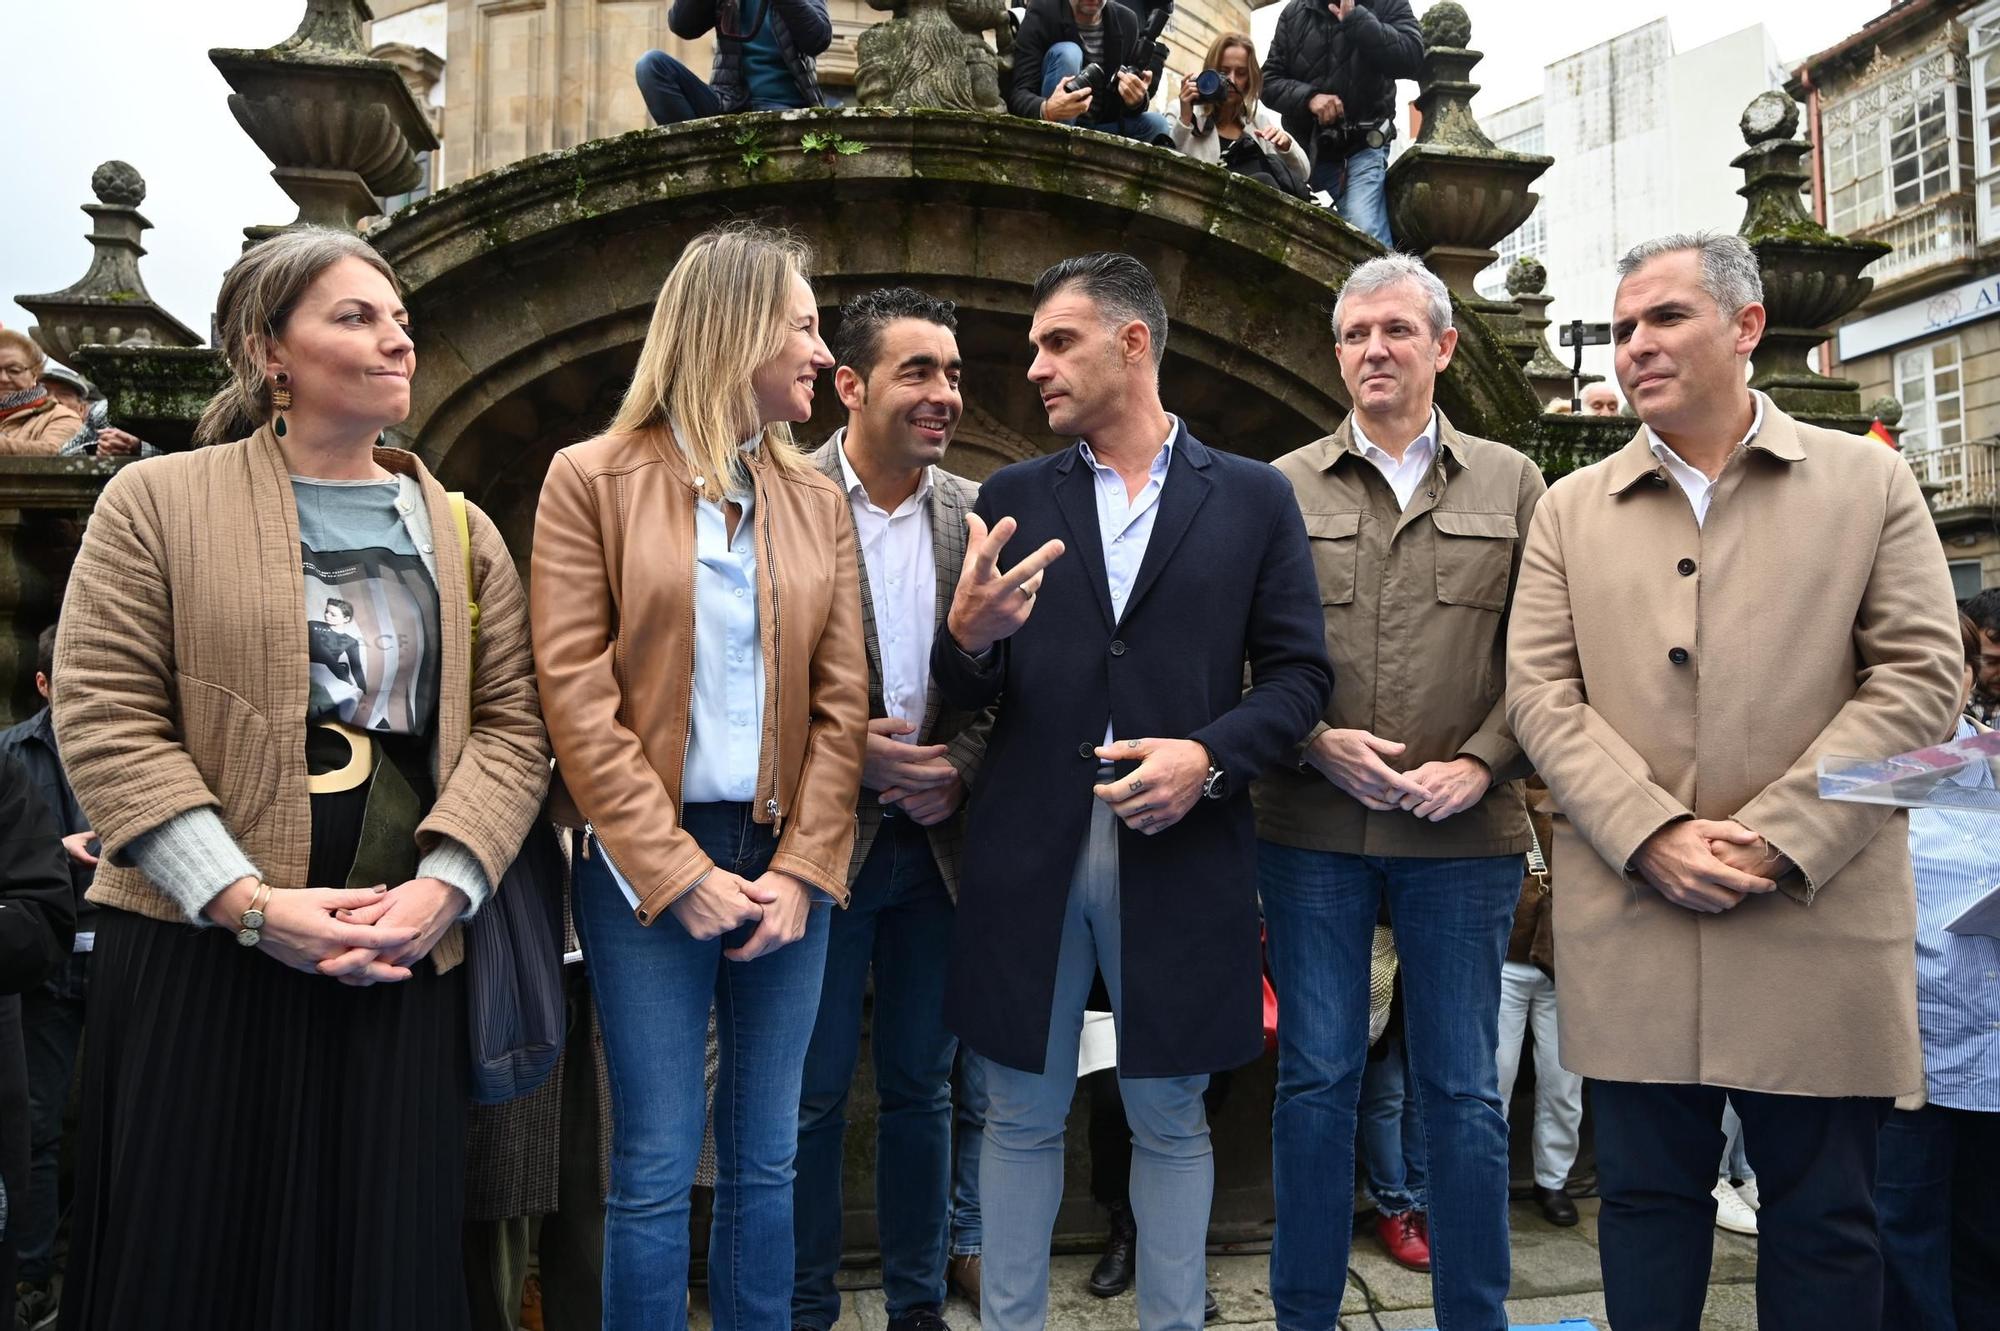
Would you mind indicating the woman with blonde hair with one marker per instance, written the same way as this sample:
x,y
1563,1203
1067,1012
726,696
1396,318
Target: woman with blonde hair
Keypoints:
x,y
697,626
274,1099
1228,128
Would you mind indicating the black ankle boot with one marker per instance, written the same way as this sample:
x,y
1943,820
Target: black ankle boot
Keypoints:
x,y
1113,1275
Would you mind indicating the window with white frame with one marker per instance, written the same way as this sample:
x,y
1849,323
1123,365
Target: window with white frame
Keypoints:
x,y
1929,384
1900,142
1983,45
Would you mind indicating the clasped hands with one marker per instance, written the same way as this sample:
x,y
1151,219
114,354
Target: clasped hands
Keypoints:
x,y
916,778
357,935
1354,760
1709,865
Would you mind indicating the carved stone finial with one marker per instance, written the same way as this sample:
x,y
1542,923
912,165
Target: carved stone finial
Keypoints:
x,y
341,127
118,184
1887,410
1447,24
330,26
1452,194
1811,276
109,305
1526,277
1770,115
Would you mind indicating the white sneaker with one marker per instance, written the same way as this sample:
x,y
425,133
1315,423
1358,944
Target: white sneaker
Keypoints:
x,y
1747,1190
1732,1212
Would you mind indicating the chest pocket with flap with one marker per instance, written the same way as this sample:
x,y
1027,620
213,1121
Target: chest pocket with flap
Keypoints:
x,y
1336,549
1475,554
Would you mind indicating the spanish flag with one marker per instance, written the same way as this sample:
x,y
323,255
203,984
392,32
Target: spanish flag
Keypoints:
x,y
1880,433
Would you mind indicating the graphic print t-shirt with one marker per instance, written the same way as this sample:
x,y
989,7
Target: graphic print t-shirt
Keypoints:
x,y
371,606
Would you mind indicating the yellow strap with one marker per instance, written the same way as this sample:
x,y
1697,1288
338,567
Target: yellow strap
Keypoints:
x,y
457,500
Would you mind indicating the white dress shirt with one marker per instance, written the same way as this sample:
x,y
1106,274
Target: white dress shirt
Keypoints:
x,y
1125,522
1405,475
1694,482
901,562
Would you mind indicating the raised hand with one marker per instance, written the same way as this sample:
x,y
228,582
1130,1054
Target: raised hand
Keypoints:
x,y
990,605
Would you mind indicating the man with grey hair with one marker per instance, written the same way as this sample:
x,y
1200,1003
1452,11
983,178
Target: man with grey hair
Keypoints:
x,y
1404,796
1723,932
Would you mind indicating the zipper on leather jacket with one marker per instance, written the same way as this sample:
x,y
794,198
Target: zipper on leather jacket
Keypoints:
x,y
777,671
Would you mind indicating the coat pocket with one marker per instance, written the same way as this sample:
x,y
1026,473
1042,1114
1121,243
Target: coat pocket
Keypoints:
x,y
1336,549
1475,556
230,743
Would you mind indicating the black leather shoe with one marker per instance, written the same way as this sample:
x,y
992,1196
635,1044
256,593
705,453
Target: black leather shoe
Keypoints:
x,y
1113,1275
919,1319
1211,1311
1556,1206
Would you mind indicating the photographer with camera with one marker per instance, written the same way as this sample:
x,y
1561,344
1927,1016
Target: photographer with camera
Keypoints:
x,y
1221,122
1086,62
1331,73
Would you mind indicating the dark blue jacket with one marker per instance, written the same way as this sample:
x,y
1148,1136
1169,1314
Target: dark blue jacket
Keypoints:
x,y
802,28
1227,580
32,743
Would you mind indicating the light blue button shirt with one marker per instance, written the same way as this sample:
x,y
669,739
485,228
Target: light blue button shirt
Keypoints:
x,y
1956,857
1125,522
726,735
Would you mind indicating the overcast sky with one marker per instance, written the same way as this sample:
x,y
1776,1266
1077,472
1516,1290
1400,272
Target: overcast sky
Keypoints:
x,y
95,79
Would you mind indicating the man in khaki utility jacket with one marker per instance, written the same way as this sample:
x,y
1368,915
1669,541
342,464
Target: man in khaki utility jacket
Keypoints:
x,y
1406,793
1701,617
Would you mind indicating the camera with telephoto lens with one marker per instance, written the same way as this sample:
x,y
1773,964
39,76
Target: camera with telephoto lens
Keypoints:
x,y
1084,78
1343,140
1212,87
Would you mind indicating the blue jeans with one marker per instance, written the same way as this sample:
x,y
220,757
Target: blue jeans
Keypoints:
x,y
654,987
675,94
1021,1167
1451,917
1392,1140
1735,1160
899,921
968,1123
1065,60
1359,186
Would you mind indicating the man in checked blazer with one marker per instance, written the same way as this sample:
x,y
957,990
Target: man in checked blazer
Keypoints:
x,y
898,378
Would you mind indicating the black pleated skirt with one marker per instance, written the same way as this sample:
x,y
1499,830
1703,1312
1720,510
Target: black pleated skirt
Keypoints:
x,y
262,1149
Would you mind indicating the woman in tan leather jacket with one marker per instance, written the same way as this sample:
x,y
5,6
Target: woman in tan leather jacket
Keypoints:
x,y
697,629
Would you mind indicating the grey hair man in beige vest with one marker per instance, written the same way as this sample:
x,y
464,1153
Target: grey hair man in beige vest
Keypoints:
x,y
1406,794
1702,616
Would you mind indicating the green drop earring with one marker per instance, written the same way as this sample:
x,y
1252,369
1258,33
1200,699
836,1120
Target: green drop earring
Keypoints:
x,y
281,401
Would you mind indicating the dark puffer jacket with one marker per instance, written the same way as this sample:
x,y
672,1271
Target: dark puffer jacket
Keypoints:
x,y
1049,22
803,31
1358,59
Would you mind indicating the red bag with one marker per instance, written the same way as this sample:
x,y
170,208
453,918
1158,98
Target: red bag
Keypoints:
x,y
1270,998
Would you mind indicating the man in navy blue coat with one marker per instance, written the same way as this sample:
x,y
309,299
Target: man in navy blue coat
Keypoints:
x,y
1111,597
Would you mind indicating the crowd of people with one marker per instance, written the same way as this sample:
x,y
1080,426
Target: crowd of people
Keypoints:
x,y
1329,79
1068,740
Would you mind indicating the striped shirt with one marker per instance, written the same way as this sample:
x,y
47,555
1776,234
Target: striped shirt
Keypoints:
x,y
1956,855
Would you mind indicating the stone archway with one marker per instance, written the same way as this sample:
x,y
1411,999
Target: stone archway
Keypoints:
x,y
531,286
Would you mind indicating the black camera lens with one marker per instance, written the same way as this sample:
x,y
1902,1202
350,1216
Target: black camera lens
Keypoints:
x,y
1212,85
